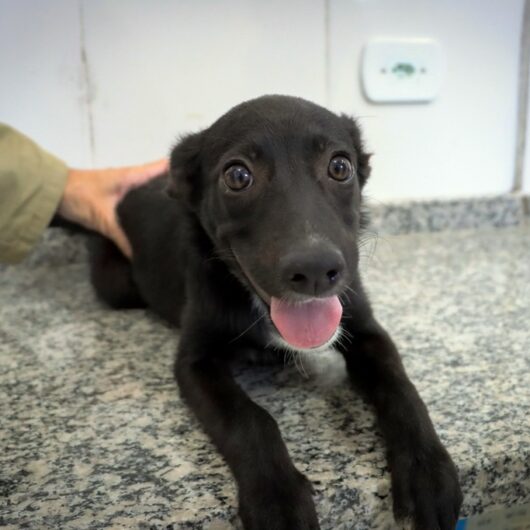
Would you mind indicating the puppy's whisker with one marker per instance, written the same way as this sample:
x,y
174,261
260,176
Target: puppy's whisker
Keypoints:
x,y
346,335
300,368
343,337
369,240
348,289
351,289
340,342
222,254
247,329
287,357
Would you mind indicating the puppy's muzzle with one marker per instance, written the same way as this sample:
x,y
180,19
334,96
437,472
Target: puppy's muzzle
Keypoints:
x,y
314,271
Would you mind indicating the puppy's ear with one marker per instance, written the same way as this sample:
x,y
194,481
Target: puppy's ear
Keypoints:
x,y
185,169
363,158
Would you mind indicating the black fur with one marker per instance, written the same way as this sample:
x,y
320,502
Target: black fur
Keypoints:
x,y
209,259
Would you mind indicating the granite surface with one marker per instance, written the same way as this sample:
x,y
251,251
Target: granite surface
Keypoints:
x,y
498,211
93,433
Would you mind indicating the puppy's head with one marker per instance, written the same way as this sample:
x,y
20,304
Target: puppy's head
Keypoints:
x,y
276,182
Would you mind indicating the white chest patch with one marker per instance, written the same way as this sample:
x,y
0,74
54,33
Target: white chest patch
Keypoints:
x,y
325,365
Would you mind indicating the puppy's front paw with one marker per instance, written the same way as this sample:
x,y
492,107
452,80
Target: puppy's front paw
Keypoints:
x,y
425,488
281,504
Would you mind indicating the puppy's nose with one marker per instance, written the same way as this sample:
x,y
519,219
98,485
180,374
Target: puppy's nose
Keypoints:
x,y
312,271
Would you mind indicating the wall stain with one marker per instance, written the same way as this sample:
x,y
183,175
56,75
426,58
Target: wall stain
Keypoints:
x,y
89,91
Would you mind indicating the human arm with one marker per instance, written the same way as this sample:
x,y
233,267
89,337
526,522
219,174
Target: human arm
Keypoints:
x,y
34,185
32,182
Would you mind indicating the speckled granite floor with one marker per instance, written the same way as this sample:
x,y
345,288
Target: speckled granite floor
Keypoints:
x,y
94,435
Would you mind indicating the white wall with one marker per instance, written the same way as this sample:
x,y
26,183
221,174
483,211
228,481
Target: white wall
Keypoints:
x,y
41,79
526,167
164,67
526,164
156,69
464,142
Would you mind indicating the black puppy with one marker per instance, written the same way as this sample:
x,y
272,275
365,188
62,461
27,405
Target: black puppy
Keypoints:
x,y
264,221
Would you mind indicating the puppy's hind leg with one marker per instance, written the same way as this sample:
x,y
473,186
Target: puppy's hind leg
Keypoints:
x,y
111,275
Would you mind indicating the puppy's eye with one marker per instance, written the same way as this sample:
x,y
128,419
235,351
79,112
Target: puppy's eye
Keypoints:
x,y
238,177
340,168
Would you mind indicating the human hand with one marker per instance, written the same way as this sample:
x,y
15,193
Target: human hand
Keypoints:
x,y
91,196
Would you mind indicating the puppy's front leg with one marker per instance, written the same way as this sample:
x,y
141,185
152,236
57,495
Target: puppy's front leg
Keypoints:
x,y
424,479
273,494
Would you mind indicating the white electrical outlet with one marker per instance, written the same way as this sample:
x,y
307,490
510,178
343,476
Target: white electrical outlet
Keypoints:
x,y
402,70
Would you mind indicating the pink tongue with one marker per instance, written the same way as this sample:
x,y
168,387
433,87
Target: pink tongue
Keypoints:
x,y
307,325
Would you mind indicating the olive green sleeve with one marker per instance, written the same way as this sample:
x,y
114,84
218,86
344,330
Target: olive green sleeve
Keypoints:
x,y
32,182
